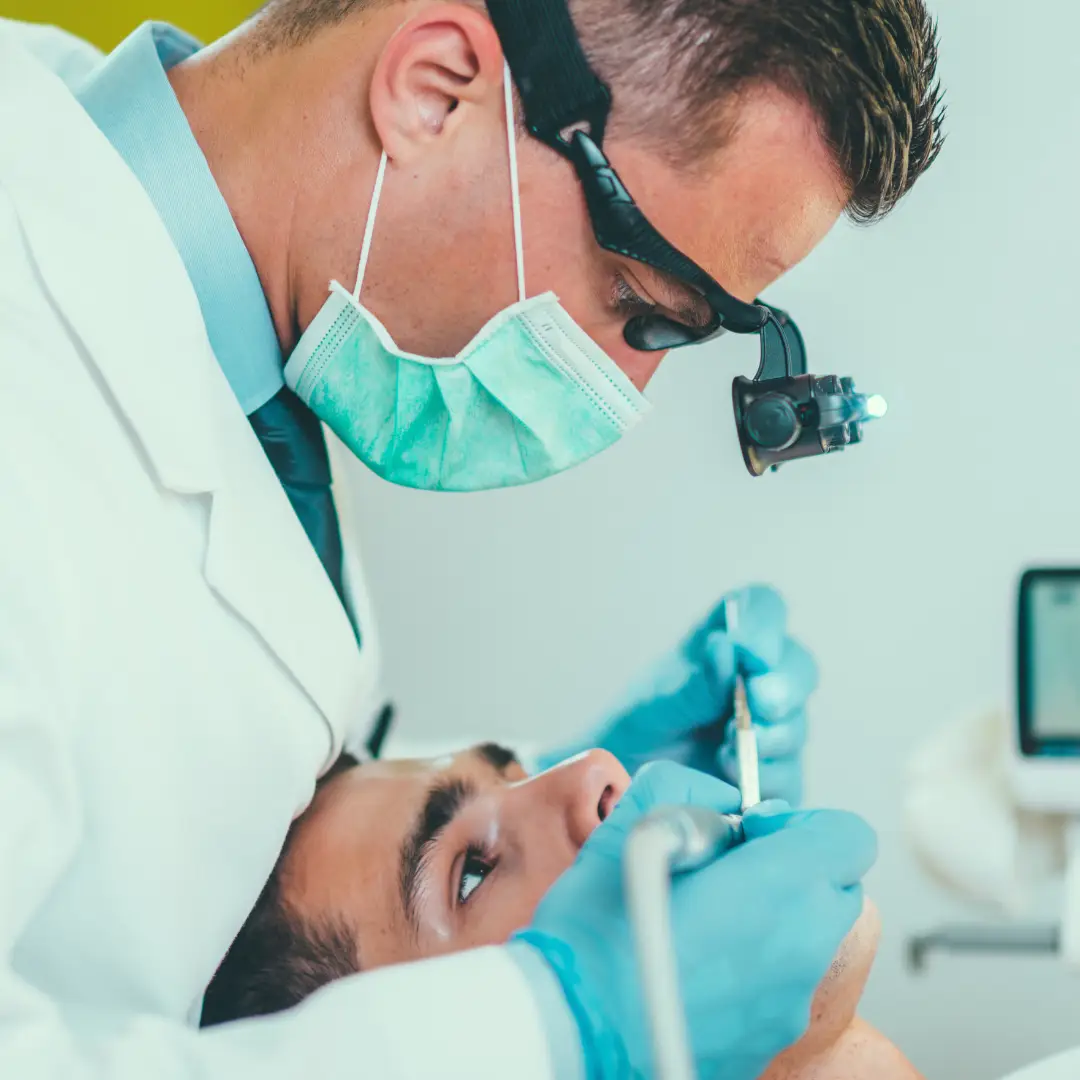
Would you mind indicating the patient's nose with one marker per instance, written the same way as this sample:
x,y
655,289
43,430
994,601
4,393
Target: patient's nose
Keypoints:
x,y
588,787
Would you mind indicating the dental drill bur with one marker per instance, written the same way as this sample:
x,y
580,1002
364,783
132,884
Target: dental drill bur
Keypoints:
x,y
746,753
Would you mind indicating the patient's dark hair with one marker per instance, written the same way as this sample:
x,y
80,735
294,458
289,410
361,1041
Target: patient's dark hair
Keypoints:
x,y
278,957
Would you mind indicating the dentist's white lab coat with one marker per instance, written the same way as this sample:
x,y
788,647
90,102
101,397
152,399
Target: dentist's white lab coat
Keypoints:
x,y
163,713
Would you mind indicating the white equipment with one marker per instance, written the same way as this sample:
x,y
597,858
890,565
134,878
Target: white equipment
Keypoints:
x,y
1046,728
1007,790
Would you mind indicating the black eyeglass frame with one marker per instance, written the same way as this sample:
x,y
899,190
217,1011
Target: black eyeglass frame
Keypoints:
x,y
620,226
566,106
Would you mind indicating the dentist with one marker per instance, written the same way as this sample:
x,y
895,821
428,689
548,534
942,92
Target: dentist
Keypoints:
x,y
185,639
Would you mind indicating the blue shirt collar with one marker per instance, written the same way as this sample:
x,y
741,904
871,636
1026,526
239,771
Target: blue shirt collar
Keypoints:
x,y
130,99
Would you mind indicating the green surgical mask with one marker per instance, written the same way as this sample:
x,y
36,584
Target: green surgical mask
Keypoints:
x,y
531,395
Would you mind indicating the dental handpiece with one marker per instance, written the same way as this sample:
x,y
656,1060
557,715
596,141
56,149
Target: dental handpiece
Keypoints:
x,y
669,840
697,835
746,751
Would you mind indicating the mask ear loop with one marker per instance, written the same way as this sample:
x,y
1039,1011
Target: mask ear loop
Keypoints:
x,y
369,228
515,193
515,199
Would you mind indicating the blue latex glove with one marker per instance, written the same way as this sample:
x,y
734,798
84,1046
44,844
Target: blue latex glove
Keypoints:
x,y
682,711
755,931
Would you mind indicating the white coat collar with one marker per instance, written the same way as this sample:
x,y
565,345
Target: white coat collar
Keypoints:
x,y
108,267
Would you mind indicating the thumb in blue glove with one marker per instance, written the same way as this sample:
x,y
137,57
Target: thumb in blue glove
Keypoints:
x,y
787,899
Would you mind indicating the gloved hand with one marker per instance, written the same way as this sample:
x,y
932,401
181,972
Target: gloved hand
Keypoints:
x,y
755,931
682,710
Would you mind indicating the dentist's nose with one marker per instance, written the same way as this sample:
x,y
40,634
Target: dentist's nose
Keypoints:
x,y
589,786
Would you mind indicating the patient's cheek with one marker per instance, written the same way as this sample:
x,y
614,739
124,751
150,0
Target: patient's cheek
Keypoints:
x,y
837,998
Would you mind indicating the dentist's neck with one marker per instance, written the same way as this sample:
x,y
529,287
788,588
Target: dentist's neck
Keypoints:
x,y
273,126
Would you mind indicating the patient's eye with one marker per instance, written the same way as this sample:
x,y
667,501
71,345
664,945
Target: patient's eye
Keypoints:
x,y
475,867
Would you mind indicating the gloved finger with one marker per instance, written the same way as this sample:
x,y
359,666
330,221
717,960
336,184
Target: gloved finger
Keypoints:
x,y
660,783
777,693
835,843
719,669
780,778
761,629
786,677
769,807
664,783
780,740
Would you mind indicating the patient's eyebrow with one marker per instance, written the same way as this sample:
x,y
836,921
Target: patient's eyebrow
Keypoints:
x,y
444,800
500,758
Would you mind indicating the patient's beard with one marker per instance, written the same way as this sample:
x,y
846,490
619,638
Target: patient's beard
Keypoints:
x,y
837,1045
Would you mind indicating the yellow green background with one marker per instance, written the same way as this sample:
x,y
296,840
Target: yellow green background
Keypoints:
x,y
107,22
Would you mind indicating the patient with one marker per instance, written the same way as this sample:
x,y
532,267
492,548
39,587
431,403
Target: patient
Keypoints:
x,y
399,860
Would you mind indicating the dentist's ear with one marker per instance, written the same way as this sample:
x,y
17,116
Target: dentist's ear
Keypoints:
x,y
437,69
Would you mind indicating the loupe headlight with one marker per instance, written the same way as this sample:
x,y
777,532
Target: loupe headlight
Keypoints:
x,y
783,413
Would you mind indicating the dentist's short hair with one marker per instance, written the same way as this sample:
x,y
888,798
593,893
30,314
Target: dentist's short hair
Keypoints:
x,y
867,68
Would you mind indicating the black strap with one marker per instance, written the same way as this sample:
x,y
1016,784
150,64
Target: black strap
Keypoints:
x,y
558,88
380,729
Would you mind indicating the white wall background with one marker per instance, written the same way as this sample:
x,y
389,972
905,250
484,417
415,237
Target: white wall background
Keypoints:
x,y
521,614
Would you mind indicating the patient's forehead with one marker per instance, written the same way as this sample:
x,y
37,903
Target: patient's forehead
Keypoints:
x,y
375,800
403,768
397,778
477,762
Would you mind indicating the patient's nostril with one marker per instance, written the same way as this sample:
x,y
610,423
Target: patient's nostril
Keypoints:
x,y
607,800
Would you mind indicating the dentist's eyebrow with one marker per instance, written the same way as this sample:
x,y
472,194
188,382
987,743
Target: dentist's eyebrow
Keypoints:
x,y
442,803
